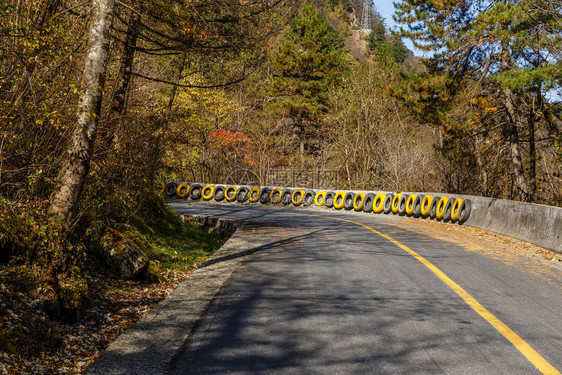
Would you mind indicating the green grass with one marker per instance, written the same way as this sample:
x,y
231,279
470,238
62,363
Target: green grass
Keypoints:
x,y
174,244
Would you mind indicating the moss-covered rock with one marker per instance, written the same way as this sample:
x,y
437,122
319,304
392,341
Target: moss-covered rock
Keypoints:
x,y
124,253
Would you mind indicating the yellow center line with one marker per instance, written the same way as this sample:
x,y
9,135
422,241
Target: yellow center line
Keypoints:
x,y
531,354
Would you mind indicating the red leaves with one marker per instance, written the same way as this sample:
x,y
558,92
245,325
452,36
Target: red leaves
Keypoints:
x,y
227,139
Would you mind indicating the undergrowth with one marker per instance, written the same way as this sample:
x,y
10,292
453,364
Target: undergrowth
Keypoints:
x,y
45,275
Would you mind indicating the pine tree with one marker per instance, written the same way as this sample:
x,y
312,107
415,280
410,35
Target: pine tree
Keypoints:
x,y
508,41
309,62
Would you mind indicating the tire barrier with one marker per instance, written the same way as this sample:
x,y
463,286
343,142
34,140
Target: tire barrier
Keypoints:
x,y
359,201
402,205
230,193
320,198
368,202
378,203
286,197
275,196
410,204
464,211
433,208
297,197
207,192
182,190
388,204
308,198
417,205
455,211
242,194
339,200
448,210
348,200
330,198
441,208
195,191
219,193
264,195
171,188
426,205
254,194
396,203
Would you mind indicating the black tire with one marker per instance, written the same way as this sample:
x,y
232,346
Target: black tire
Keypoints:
x,y
242,195
348,201
219,193
417,205
195,191
433,208
402,205
275,196
171,188
368,202
464,211
308,198
329,200
388,204
264,195
286,197
448,210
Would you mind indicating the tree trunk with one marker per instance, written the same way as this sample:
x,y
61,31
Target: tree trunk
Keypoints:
x,y
516,159
75,168
126,69
532,154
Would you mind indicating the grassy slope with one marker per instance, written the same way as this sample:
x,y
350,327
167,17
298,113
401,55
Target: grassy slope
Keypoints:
x,y
33,341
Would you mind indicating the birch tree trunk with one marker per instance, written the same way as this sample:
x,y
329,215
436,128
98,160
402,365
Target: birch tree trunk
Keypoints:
x,y
75,168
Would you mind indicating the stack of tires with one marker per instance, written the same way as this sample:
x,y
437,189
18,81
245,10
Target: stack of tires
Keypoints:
x,y
441,208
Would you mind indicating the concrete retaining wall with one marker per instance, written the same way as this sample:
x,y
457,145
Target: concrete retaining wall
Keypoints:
x,y
538,224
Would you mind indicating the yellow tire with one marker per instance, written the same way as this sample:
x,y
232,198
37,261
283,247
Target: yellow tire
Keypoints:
x,y
182,190
277,193
208,192
254,194
455,212
378,203
426,205
339,200
297,197
230,193
396,203
410,204
320,198
358,201
441,207
162,187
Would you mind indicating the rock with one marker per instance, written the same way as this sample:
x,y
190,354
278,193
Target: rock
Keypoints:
x,y
123,254
211,224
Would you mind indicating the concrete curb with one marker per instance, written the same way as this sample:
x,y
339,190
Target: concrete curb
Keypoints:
x,y
151,344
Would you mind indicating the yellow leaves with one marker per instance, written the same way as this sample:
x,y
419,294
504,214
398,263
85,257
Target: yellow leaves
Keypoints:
x,y
207,108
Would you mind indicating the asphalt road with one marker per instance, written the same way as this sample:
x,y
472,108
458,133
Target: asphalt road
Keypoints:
x,y
330,295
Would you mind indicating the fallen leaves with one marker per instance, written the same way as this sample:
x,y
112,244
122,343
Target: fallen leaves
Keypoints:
x,y
116,305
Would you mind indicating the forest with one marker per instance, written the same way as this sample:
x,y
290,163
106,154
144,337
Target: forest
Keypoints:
x,y
102,100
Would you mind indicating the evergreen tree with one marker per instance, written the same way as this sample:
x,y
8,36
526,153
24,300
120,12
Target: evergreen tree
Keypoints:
x,y
383,45
308,63
508,41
